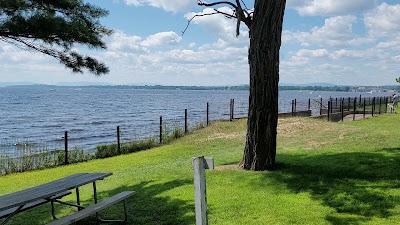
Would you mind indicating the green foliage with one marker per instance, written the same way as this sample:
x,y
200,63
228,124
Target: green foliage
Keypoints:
x,y
105,151
53,27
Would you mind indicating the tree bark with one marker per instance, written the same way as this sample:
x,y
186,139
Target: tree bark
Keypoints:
x,y
265,43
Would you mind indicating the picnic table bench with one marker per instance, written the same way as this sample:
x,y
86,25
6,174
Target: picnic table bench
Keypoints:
x,y
53,192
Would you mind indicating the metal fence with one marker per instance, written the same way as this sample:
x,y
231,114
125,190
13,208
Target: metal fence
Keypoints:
x,y
24,155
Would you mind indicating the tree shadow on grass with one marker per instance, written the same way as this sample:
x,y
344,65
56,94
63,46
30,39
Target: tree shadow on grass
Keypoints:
x,y
355,184
149,206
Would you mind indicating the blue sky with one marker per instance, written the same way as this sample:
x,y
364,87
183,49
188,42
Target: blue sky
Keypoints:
x,y
333,41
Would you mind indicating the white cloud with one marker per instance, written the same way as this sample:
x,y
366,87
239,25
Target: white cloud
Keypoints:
x,y
336,32
383,20
330,7
162,38
167,5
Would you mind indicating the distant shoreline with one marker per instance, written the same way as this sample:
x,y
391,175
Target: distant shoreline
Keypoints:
x,y
336,88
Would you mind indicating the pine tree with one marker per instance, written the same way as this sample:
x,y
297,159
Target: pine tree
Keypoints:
x,y
54,27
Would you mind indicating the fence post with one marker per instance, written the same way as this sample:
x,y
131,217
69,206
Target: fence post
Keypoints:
x,y
309,104
230,110
320,107
364,109
386,104
208,111
66,148
342,108
292,107
295,106
336,104
118,140
329,109
233,108
354,108
186,121
380,105
373,106
200,164
161,130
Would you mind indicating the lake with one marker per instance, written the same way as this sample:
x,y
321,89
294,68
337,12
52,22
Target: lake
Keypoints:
x,y
39,115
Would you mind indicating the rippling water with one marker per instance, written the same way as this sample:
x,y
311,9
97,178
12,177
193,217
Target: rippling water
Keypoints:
x,y
40,115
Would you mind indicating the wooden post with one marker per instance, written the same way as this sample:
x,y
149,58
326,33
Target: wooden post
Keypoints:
x,y
118,140
295,106
161,130
66,148
200,164
309,104
364,109
329,109
186,121
354,108
208,111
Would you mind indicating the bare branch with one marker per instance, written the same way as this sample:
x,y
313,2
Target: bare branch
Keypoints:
x,y
216,11
200,3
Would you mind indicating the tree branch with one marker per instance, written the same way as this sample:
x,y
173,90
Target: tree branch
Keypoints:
x,y
216,11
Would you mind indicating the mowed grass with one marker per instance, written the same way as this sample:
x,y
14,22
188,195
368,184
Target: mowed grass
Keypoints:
x,y
328,173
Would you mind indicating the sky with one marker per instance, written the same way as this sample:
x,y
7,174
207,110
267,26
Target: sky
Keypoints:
x,y
340,42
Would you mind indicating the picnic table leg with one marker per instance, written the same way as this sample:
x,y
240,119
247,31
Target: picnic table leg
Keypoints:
x,y
95,200
11,215
78,199
53,211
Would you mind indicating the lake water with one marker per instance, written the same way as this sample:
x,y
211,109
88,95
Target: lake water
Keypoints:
x,y
41,114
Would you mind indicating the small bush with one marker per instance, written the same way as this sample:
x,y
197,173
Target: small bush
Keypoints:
x,y
105,151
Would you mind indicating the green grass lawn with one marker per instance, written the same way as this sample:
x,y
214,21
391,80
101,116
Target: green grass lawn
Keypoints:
x,y
328,173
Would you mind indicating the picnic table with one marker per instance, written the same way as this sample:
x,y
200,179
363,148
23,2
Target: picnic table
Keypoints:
x,y
14,203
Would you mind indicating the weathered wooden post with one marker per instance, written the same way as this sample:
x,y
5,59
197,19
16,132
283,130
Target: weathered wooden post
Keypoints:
x,y
186,121
118,140
329,109
66,148
161,130
364,109
200,164
208,111
354,108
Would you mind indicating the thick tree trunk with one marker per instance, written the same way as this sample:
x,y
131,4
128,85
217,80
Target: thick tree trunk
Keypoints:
x,y
265,43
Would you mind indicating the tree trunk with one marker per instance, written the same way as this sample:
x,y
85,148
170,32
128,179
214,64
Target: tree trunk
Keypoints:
x,y
265,43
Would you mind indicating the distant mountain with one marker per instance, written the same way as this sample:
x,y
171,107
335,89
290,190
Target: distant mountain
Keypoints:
x,y
7,84
82,84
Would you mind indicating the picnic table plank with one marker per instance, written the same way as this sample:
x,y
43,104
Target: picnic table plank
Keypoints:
x,y
48,190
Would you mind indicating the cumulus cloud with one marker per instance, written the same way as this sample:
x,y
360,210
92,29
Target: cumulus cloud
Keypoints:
x,y
167,5
162,38
330,7
336,32
384,20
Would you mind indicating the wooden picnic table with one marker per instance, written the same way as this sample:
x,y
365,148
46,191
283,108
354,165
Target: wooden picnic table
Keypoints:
x,y
47,192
